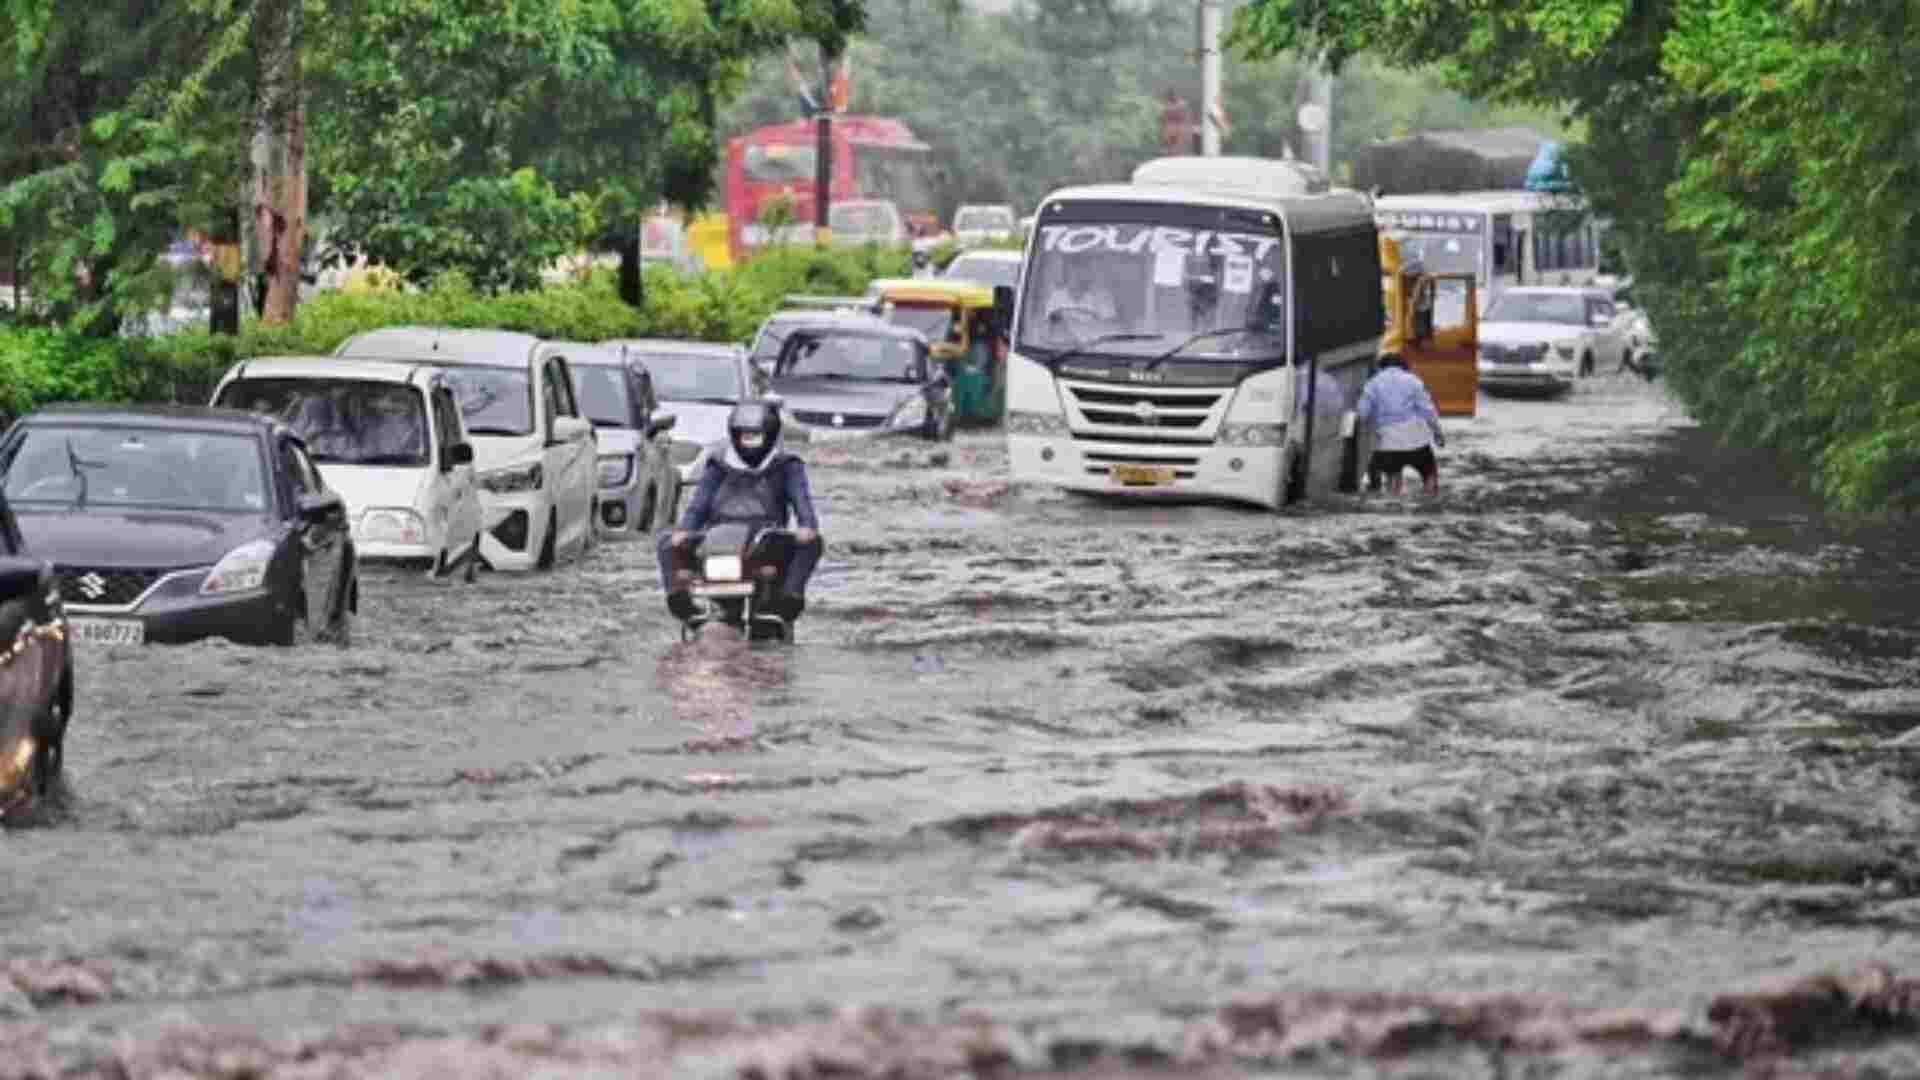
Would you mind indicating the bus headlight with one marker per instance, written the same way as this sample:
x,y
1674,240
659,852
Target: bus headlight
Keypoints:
x,y
1035,423
1253,434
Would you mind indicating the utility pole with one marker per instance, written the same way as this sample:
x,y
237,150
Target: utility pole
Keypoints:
x,y
1210,109
823,151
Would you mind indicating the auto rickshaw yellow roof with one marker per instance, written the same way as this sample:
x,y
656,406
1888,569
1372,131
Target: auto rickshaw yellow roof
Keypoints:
x,y
928,291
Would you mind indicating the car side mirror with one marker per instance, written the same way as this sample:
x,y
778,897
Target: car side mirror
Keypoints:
x,y
460,453
660,422
320,507
568,429
24,578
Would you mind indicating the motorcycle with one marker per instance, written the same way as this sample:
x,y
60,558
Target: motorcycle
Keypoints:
x,y
738,571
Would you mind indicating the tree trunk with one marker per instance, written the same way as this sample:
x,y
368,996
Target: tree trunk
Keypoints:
x,y
280,200
633,288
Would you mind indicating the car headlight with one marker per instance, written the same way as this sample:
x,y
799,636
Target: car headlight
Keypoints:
x,y
912,412
517,478
392,526
1253,434
243,568
684,452
723,568
1566,349
615,469
1035,423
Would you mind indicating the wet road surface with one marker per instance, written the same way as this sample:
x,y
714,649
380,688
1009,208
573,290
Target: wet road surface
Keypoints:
x,y
1599,764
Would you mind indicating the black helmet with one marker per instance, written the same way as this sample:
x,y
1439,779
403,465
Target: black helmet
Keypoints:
x,y
753,429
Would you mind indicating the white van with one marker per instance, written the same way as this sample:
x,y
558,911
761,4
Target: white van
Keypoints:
x,y
535,457
387,436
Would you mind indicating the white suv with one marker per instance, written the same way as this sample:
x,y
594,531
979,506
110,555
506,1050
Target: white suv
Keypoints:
x,y
533,451
388,437
1546,337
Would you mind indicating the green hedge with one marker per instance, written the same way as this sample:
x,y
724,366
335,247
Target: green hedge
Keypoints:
x,y
40,366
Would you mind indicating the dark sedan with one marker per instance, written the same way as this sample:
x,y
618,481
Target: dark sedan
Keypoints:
x,y
36,673
170,524
857,375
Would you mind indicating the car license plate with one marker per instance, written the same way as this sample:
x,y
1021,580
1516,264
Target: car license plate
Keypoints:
x,y
107,631
1143,475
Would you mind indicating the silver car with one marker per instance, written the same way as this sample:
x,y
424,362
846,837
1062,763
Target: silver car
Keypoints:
x,y
698,383
638,484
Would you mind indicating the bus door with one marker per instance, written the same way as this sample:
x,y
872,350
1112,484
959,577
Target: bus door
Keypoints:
x,y
1443,347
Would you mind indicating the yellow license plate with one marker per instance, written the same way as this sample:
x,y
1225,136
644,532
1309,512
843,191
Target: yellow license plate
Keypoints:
x,y
1143,475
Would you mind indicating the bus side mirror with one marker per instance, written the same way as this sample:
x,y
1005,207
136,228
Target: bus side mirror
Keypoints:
x,y
1003,308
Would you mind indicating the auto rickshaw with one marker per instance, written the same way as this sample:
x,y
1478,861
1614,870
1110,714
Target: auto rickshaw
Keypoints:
x,y
966,324
1433,324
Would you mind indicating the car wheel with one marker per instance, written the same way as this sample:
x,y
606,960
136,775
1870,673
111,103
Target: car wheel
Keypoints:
x,y
339,629
545,562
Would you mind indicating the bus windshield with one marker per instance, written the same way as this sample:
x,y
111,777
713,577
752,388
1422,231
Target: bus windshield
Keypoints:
x,y
1139,289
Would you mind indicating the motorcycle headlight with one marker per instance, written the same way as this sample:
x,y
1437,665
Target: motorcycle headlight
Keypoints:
x,y
1253,434
615,469
1035,423
723,568
243,568
684,451
517,478
912,413
392,526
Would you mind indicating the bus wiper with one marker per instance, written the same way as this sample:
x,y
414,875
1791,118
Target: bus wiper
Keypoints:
x,y
1218,331
1079,348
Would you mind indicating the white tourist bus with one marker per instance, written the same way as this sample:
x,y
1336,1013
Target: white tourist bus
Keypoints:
x,y
1201,332
1504,237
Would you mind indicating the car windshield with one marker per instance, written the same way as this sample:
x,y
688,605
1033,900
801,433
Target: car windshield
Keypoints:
x,y
114,469
1144,289
931,320
602,391
870,219
344,421
850,356
1441,254
494,401
695,377
984,269
1567,308
983,218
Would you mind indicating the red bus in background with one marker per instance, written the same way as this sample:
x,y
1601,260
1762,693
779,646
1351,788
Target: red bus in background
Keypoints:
x,y
874,157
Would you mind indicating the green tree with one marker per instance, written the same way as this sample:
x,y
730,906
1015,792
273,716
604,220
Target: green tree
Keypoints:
x,y
1758,162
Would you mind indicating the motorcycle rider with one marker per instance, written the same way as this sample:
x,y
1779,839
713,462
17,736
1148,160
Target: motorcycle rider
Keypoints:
x,y
750,479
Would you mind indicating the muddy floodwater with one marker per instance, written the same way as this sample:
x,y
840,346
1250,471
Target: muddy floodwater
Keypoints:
x,y
1600,764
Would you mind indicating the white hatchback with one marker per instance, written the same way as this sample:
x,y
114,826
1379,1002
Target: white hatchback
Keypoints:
x,y
533,451
388,437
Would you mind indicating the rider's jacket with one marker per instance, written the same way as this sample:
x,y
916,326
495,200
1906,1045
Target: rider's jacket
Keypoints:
x,y
732,490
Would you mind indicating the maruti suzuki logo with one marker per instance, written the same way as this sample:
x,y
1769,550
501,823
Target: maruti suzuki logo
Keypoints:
x,y
93,585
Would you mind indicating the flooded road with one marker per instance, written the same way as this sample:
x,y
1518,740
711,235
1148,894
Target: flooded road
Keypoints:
x,y
1600,764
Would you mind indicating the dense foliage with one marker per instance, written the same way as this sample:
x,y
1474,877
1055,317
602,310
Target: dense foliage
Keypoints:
x,y
482,135
1759,162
